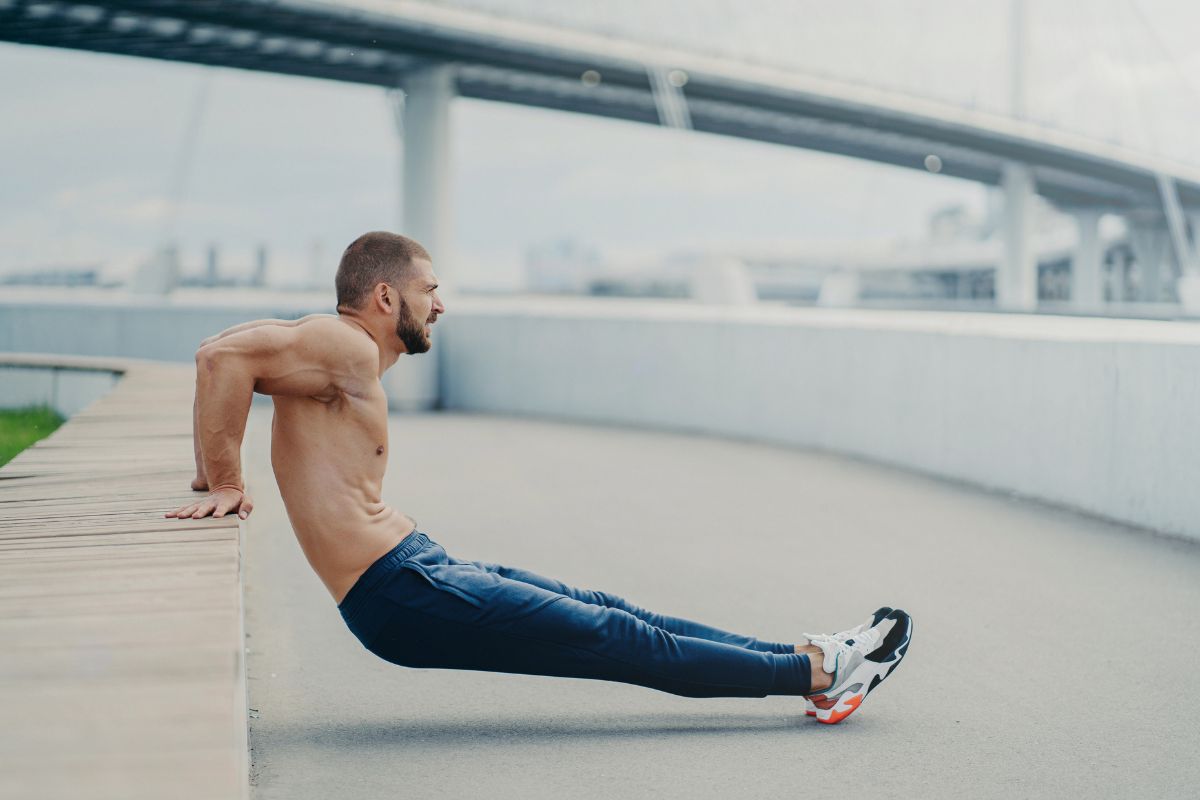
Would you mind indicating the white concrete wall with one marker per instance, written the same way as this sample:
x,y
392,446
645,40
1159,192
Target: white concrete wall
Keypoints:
x,y
65,390
1098,415
170,329
126,325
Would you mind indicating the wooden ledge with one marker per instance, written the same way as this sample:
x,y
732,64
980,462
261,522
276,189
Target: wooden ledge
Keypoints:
x,y
122,672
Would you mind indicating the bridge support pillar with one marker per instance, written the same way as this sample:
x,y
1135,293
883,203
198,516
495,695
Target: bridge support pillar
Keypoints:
x,y
1087,264
160,273
423,121
1183,247
1189,281
426,141
1149,240
1017,277
840,289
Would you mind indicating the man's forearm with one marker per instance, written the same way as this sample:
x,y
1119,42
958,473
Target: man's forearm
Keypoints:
x,y
200,473
223,396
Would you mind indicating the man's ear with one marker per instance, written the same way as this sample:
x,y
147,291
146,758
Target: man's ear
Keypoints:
x,y
382,298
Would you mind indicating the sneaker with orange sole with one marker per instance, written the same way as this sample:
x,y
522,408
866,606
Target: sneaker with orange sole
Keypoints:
x,y
849,633
859,664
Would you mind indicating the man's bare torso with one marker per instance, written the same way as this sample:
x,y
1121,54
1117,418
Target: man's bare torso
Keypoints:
x,y
329,454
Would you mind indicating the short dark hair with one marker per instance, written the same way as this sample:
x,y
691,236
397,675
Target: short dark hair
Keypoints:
x,y
373,258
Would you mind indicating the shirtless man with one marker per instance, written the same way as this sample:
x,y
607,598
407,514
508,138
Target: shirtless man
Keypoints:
x,y
404,597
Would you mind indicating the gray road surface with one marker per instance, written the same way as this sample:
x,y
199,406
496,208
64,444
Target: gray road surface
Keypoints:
x,y
1053,655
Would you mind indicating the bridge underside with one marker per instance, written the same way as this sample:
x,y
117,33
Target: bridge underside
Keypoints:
x,y
324,41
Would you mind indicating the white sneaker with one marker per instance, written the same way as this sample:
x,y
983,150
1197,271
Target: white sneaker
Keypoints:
x,y
842,636
859,664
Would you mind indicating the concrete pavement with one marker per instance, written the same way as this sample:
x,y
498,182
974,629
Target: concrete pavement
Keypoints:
x,y
1053,654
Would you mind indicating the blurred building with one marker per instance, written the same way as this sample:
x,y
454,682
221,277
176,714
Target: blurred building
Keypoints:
x,y
956,262
565,266
216,274
89,275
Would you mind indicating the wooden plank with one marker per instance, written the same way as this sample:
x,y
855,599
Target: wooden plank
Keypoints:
x,y
131,554
115,540
146,523
82,511
167,489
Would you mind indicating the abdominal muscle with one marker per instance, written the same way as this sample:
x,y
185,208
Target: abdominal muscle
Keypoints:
x,y
340,546
331,489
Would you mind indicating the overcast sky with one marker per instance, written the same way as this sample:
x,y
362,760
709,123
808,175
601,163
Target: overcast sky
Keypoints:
x,y
92,145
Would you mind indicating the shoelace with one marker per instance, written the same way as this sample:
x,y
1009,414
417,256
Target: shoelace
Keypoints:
x,y
840,636
835,644
829,639
832,646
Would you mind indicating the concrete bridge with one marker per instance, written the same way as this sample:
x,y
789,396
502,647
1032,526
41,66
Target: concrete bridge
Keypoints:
x,y
431,54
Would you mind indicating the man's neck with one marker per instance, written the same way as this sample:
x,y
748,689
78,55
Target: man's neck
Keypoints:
x,y
387,355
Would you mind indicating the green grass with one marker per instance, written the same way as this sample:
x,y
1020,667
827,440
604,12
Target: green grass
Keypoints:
x,y
21,427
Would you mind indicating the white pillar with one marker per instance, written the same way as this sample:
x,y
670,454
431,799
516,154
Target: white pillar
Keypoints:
x,y
1149,239
840,289
426,202
414,384
1188,286
159,274
722,282
1177,225
1017,276
1189,282
1087,263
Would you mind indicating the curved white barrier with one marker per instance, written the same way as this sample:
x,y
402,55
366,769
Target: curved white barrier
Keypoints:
x,y
1098,415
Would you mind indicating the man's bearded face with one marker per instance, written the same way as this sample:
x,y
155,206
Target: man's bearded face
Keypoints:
x,y
411,331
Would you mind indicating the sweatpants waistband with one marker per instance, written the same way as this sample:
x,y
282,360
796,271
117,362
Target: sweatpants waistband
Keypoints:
x,y
361,590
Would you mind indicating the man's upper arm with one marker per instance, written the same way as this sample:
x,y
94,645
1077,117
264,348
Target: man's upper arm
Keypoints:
x,y
318,358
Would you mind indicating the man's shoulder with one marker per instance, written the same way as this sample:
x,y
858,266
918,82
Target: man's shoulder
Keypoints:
x,y
341,337
334,328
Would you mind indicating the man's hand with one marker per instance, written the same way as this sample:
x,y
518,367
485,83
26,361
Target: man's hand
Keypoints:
x,y
219,503
200,484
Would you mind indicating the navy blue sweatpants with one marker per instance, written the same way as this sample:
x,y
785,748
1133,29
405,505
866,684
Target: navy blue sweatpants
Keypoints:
x,y
419,607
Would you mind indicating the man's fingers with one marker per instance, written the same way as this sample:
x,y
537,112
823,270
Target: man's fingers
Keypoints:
x,y
218,508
